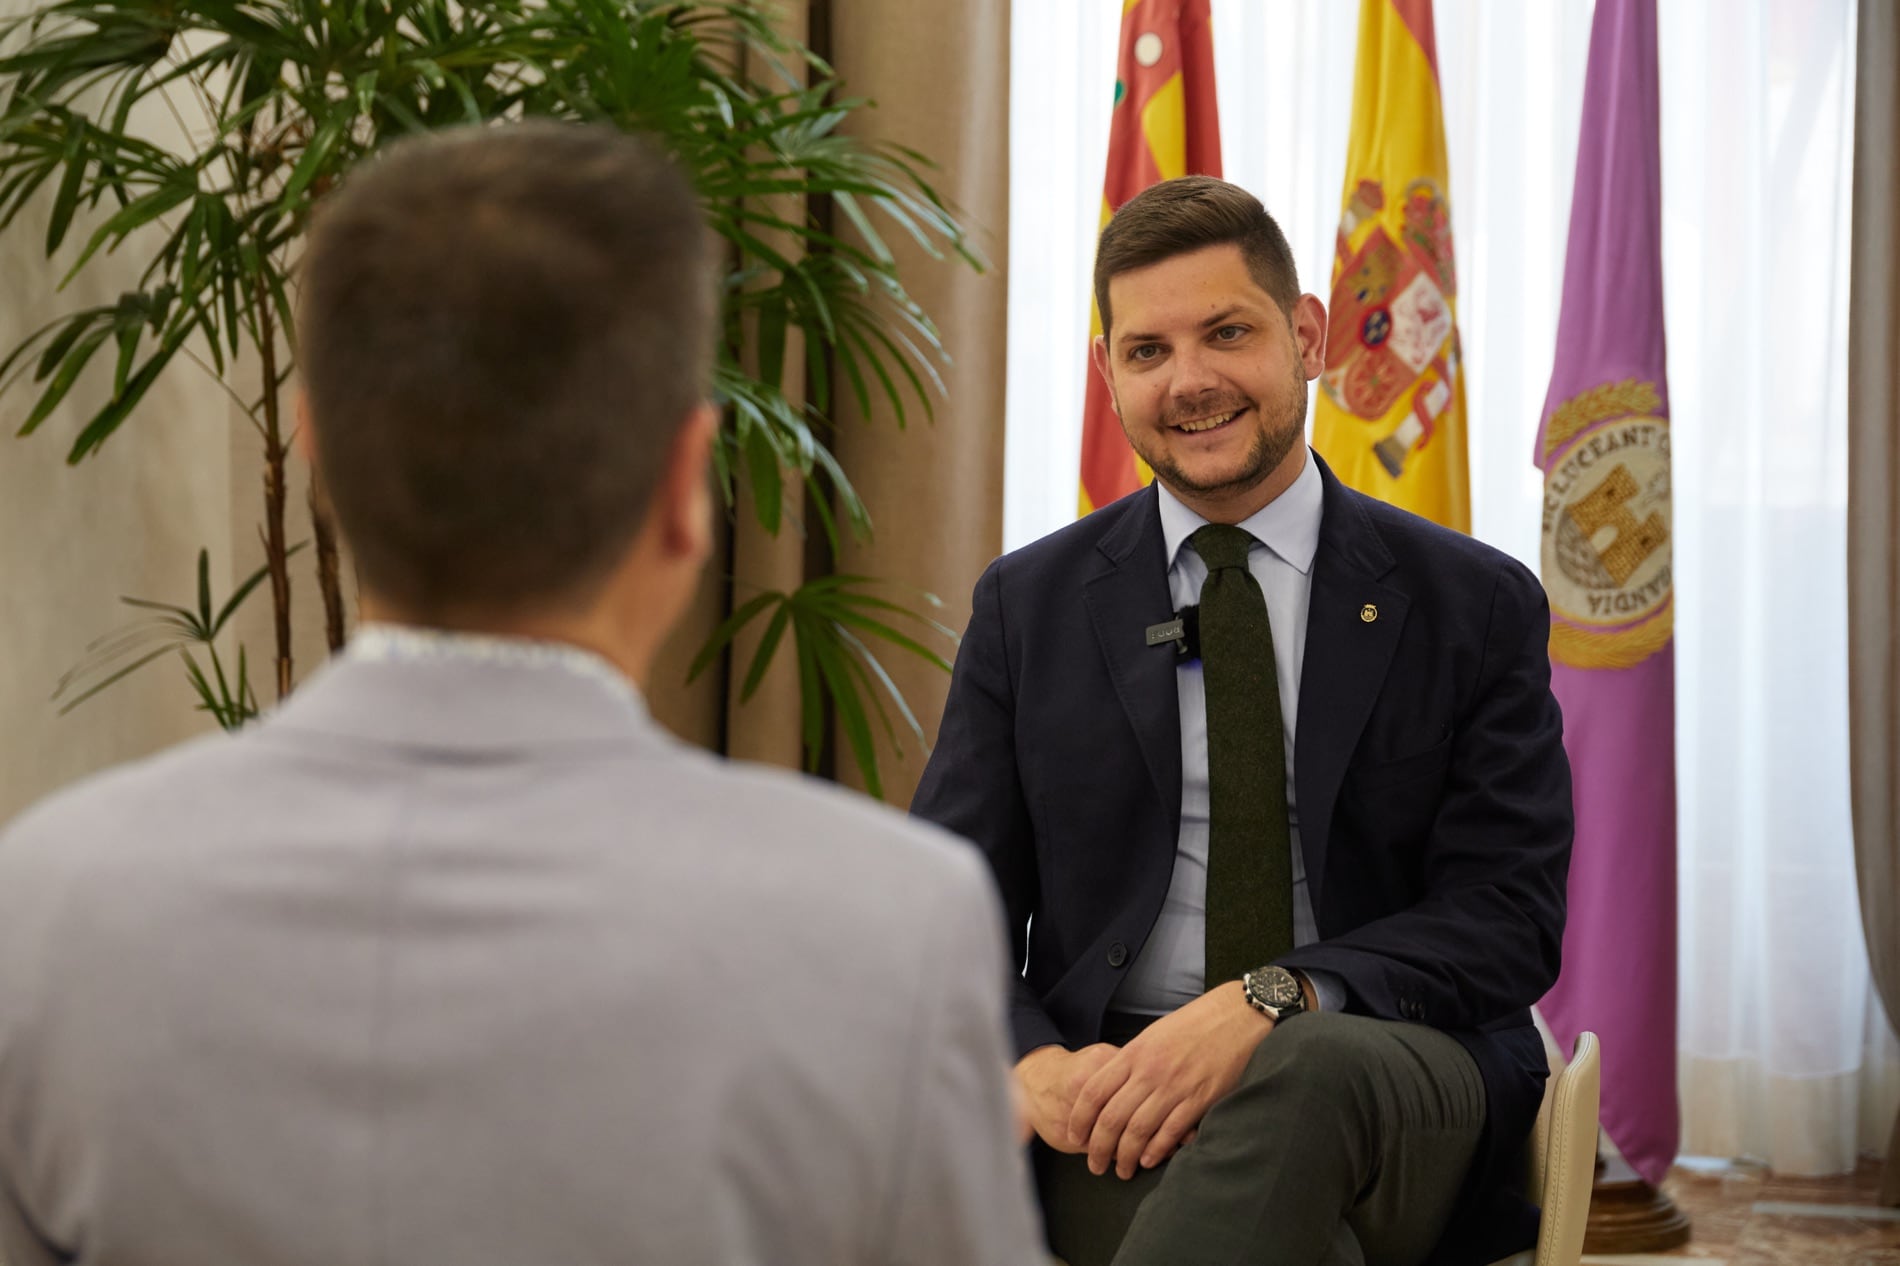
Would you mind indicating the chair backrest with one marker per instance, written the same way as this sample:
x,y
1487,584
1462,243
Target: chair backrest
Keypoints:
x,y
1563,1152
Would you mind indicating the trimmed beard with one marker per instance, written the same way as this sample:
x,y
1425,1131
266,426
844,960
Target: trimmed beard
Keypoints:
x,y
1271,445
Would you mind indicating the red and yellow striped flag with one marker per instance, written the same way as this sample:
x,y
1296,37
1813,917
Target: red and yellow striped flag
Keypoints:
x,y
1165,124
1390,416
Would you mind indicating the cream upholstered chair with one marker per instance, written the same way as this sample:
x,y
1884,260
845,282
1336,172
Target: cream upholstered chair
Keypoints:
x,y
1563,1157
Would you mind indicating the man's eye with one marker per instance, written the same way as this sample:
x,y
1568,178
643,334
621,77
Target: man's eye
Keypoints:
x,y
1228,333
1147,351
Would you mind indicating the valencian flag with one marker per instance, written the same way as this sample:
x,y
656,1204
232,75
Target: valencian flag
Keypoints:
x,y
1165,124
1390,416
1604,451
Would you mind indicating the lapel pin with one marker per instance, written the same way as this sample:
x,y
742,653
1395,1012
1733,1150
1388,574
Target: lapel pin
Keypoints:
x,y
1368,613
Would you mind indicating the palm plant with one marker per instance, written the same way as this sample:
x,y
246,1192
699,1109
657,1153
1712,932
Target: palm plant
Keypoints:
x,y
268,103
165,629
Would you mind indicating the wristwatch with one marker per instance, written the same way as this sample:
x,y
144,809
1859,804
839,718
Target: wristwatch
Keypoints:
x,y
1274,992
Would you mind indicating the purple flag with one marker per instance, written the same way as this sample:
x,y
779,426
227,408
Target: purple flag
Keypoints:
x,y
1604,450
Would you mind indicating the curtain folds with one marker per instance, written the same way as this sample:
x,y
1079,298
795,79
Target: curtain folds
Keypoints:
x,y
1757,191
939,78
1873,512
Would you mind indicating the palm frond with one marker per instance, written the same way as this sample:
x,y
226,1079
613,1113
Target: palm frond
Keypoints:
x,y
269,104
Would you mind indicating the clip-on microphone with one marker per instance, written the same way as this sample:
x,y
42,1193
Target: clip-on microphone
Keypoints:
x,y
1184,630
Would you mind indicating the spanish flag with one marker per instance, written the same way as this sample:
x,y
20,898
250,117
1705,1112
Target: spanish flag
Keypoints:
x,y
1165,124
1390,417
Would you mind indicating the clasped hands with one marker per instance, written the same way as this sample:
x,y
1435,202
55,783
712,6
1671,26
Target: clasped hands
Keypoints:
x,y
1133,1106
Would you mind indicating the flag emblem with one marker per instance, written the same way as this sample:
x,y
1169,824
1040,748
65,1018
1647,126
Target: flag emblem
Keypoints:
x,y
1606,539
1391,315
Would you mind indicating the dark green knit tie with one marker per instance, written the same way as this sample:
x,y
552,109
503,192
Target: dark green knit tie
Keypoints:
x,y
1249,849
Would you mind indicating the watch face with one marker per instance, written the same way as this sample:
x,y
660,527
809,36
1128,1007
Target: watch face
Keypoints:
x,y
1282,989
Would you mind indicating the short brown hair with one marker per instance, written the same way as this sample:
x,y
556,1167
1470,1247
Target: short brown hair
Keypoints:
x,y
502,329
1177,216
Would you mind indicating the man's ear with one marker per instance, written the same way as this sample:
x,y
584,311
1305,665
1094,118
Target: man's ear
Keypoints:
x,y
1098,353
1309,335
683,498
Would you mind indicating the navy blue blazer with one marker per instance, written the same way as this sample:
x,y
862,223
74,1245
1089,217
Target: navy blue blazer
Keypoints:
x,y
1434,793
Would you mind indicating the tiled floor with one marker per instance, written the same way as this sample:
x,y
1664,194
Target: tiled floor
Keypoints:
x,y
1746,1216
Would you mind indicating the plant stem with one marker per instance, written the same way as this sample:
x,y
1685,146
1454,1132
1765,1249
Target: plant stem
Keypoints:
x,y
329,582
276,552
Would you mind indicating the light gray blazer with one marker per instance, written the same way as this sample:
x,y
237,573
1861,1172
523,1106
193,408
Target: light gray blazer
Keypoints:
x,y
466,963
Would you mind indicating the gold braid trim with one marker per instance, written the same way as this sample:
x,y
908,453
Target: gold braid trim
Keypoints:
x,y
1631,397
1584,648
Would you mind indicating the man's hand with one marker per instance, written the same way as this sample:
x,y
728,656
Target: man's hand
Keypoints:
x,y
1142,1102
1048,1080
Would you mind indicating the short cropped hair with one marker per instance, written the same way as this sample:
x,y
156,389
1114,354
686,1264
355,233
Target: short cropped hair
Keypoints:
x,y
502,330
1177,216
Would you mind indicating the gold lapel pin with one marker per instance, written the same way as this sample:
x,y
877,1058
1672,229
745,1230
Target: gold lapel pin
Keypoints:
x,y
1368,613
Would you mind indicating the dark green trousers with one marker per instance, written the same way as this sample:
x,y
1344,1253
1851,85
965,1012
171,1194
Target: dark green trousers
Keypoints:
x,y
1345,1144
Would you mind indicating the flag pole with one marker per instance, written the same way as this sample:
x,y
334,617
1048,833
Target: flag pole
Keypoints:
x,y
1627,1215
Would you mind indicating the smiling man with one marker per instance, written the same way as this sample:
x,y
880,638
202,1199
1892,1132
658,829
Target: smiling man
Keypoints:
x,y
1273,785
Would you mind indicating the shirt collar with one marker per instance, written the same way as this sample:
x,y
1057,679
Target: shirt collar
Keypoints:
x,y
1288,525
408,643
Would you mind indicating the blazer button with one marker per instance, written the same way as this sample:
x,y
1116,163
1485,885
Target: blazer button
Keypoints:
x,y
1117,954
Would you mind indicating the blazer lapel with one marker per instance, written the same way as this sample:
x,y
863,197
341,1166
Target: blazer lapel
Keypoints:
x,y
1124,596
1347,655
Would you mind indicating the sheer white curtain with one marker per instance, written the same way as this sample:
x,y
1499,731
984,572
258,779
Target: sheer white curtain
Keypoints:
x,y
1786,1055
1757,153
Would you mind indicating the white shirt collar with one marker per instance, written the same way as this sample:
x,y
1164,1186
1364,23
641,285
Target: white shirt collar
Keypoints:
x,y
408,643
1288,525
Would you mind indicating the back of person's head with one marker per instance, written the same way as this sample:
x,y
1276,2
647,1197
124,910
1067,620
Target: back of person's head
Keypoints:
x,y
502,331
1190,213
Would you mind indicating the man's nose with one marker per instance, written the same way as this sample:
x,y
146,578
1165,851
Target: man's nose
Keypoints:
x,y
1194,374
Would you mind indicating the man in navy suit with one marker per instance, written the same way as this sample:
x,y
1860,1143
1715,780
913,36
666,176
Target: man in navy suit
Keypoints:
x,y
1364,1095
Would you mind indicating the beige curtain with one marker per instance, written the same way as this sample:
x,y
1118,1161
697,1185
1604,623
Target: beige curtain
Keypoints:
x,y
939,75
749,560
1873,534
128,521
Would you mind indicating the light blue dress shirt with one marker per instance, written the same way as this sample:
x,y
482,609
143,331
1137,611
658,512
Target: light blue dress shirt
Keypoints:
x,y
1169,970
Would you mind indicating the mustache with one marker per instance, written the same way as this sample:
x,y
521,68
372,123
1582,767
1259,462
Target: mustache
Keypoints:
x,y
1178,412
